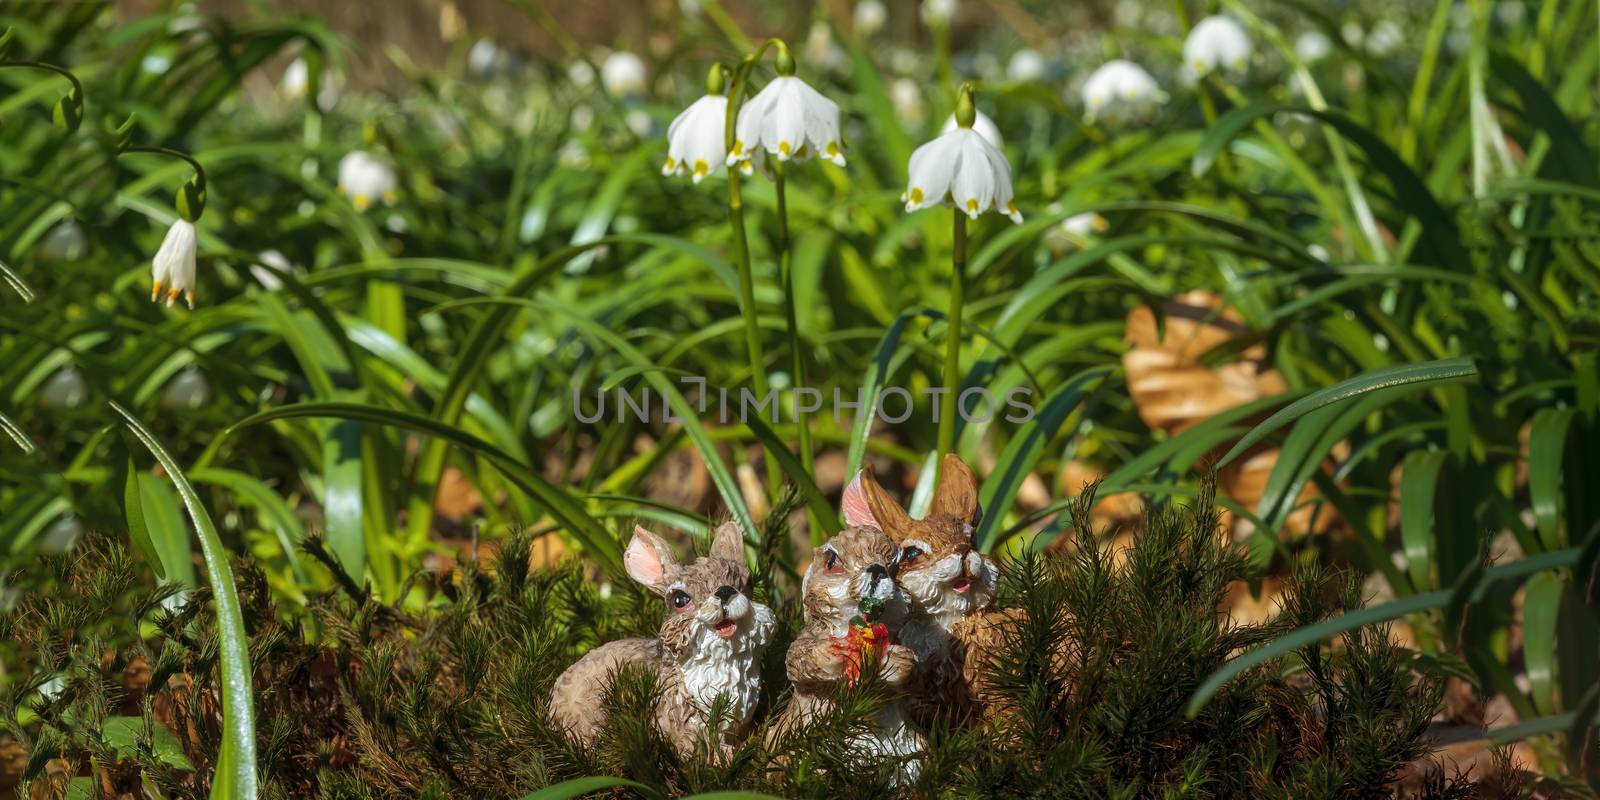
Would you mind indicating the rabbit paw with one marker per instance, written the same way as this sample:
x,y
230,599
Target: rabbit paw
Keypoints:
x,y
898,663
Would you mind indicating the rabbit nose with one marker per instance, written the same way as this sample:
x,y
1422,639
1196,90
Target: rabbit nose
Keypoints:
x,y
878,573
724,593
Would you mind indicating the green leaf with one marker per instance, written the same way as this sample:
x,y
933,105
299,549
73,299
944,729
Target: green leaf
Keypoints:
x,y
274,511
236,769
165,529
1350,620
12,430
731,795
565,509
999,490
1429,372
1419,478
883,364
1541,612
687,415
124,734
1441,244
16,283
578,787
824,514
1547,442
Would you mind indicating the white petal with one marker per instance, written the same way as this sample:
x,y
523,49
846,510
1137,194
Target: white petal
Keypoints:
x,y
786,133
972,191
982,124
930,171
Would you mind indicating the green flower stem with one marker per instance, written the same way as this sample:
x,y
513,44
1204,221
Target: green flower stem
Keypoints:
x,y
797,359
952,352
191,201
741,244
77,86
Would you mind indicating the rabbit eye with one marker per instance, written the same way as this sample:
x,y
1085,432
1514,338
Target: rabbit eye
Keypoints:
x,y
680,599
910,555
830,560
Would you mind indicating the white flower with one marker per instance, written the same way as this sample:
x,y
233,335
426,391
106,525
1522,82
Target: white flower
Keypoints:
x,y
269,279
869,17
580,73
983,125
65,389
365,179
789,120
962,169
696,140
1312,46
1025,65
64,242
821,49
1121,88
938,12
188,390
295,77
1217,43
483,57
623,74
173,266
1084,224
1385,38
907,99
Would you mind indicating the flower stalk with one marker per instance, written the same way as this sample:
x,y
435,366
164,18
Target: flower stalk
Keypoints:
x,y
948,404
741,246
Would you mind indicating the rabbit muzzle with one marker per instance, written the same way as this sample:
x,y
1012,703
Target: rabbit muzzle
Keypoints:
x,y
723,612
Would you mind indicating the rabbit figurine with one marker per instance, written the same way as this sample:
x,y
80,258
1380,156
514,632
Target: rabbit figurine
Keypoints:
x,y
710,644
852,607
951,625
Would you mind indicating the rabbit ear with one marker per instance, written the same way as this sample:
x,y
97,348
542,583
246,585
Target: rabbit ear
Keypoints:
x,y
889,516
648,559
957,491
853,505
727,543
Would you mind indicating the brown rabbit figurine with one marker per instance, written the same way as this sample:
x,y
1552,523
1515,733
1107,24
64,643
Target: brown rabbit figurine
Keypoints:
x,y
852,608
710,644
952,624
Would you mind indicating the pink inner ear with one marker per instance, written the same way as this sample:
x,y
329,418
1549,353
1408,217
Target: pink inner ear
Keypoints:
x,y
853,505
641,559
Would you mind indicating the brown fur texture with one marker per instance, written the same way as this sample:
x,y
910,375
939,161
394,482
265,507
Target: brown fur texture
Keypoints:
x,y
856,563
952,625
710,644
862,564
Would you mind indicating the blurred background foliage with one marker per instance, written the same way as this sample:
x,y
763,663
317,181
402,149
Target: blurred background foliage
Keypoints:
x,y
1387,190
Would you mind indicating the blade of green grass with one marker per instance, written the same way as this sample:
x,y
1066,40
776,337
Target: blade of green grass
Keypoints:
x,y
1547,444
1430,372
1419,480
236,767
578,787
566,510
999,491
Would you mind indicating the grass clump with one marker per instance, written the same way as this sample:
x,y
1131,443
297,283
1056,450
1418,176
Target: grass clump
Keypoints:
x,y
364,700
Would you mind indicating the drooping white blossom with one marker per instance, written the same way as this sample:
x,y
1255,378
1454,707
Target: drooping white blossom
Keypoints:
x,y
938,12
1085,224
623,74
962,169
1026,65
1217,43
789,120
696,139
365,179
869,17
1121,89
1312,46
173,267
